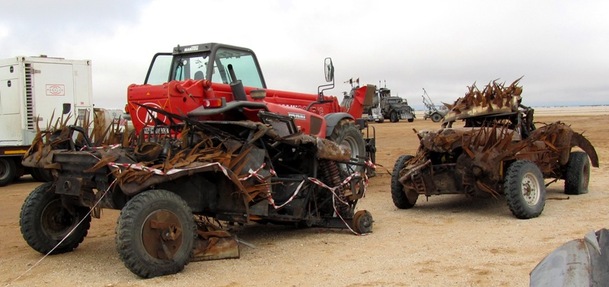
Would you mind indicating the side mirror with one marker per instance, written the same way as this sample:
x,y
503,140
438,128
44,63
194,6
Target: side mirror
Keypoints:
x,y
329,73
329,69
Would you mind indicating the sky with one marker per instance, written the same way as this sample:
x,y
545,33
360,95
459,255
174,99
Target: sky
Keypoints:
x,y
560,48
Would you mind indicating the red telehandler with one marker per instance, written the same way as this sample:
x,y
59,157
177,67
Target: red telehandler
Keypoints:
x,y
222,82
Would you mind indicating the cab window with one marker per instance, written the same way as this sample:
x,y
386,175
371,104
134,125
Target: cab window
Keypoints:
x,y
158,73
243,64
191,67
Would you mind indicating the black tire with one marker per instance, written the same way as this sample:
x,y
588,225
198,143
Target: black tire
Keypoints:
x,y
155,234
45,222
403,199
577,175
393,117
41,174
435,117
524,189
345,133
8,170
410,120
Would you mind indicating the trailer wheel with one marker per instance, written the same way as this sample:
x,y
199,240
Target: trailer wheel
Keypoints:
x,y
348,135
524,189
577,175
435,117
393,117
402,198
155,234
8,170
362,222
45,221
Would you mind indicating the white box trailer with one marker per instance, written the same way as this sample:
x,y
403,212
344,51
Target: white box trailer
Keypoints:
x,y
32,89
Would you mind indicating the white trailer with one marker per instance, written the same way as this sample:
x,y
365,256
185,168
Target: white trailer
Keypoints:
x,y
32,89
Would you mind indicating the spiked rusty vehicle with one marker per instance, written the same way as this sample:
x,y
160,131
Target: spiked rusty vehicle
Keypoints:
x,y
499,151
206,153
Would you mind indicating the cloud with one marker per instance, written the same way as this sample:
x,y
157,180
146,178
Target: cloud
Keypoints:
x,y
4,32
442,46
42,26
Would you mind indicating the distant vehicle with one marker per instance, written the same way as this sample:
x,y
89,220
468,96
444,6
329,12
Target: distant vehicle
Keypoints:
x,y
385,106
433,112
32,91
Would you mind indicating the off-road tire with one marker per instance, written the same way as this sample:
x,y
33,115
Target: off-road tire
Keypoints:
x,y
577,174
435,117
45,222
393,117
347,134
524,189
398,194
8,170
140,228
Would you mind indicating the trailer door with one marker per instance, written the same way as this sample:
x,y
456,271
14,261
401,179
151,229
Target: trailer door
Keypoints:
x,y
10,120
53,86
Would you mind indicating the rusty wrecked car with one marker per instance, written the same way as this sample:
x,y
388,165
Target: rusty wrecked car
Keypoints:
x,y
498,151
183,192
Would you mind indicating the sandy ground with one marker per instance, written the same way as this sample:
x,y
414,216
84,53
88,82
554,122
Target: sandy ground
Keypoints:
x,y
448,240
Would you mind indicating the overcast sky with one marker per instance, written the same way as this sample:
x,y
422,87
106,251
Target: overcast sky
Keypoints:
x,y
560,47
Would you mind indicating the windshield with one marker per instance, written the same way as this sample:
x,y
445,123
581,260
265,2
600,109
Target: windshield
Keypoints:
x,y
197,66
243,63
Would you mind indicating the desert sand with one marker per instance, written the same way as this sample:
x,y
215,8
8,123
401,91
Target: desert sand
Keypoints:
x,y
448,240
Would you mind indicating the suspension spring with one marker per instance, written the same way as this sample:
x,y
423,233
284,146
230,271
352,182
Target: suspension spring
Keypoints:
x,y
330,172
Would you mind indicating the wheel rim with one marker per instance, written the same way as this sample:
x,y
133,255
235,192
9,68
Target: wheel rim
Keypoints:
x,y
363,222
530,189
162,234
56,221
350,144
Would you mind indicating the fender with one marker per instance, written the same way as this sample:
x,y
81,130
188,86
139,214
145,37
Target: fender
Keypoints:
x,y
333,119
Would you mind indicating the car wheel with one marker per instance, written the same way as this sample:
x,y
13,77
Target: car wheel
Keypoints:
x,y
577,175
402,198
524,189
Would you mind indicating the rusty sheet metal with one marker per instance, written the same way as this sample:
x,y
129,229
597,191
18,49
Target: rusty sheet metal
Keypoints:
x,y
56,135
580,262
201,149
549,146
495,98
214,243
231,157
580,141
487,147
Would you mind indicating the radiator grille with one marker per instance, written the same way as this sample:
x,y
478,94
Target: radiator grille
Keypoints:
x,y
29,97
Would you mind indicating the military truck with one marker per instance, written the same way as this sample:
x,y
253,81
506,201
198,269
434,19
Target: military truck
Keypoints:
x,y
394,108
433,112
